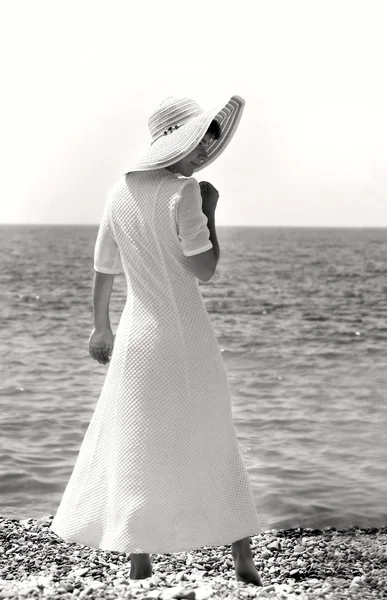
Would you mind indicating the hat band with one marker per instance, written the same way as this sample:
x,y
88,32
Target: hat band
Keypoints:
x,y
170,129
173,122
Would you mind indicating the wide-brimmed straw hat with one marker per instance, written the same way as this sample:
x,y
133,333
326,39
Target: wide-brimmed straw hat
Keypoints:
x,y
177,126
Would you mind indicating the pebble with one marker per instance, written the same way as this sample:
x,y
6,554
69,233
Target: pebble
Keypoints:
x,y
294,564
274,546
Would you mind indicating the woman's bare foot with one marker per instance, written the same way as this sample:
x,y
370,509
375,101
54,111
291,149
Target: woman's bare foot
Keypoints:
x,y
244,565
140,566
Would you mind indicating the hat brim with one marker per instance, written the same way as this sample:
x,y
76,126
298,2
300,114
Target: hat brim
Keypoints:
x,y
171,148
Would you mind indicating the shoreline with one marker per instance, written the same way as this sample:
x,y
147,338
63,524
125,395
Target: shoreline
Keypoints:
x,y
293,563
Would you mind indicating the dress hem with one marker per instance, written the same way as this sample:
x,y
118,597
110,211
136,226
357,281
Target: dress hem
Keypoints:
x,y
213,543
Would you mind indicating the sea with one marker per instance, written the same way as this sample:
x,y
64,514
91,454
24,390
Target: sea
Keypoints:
x,y
301,319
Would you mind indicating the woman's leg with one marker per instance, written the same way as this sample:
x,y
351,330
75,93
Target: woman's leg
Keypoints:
x,y
140,566
241,548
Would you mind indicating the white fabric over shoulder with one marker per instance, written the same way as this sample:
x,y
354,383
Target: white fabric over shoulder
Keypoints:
x,y
107,258
191,222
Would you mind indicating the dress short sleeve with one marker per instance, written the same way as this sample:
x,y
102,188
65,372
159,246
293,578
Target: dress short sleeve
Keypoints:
x,y
107,257
191,222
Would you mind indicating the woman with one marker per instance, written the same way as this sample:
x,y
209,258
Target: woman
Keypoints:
x,y
159,469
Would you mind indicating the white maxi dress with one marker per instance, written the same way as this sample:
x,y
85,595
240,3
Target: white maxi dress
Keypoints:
x,y
159,469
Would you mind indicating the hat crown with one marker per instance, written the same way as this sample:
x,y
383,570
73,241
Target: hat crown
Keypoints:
x,y
172,113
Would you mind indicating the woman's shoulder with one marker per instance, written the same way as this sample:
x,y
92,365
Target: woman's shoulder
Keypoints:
x,y
161,178
153,175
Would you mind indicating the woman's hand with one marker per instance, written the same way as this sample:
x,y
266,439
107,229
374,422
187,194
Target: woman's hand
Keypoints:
x,y
210,197
101,343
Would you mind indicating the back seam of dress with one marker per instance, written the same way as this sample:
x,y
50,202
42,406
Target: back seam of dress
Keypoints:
x,y
202,495
169,283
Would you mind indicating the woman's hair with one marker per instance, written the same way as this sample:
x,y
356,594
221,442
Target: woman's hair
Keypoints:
x,y
214,129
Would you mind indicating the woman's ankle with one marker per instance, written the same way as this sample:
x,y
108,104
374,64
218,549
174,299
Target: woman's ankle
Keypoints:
x,y
140,559
241,549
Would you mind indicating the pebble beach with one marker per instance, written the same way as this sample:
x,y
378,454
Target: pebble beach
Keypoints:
x,y
293,563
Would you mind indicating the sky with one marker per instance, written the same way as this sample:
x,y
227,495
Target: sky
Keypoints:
x,y
80,78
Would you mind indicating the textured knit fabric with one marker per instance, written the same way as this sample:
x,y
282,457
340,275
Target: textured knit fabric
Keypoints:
x,y
159,469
